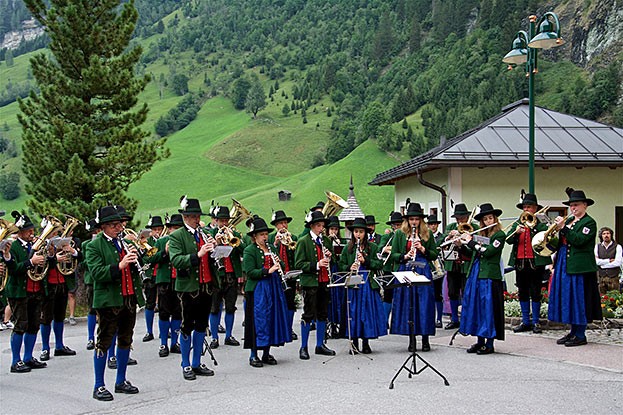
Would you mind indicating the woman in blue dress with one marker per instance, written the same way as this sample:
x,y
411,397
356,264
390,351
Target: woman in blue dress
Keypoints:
x,y
413,307
266,312
483,300
574,292
363,306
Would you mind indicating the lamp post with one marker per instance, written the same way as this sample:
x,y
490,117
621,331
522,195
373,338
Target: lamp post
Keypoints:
x,y
524,51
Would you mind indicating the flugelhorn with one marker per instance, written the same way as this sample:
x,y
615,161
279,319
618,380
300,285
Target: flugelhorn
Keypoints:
x,y
545,243
69,266
285,238
226,236
141,243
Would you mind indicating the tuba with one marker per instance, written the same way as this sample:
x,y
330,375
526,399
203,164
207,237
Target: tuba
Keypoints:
x,y
69,266
51,225
6,230
238,214
334,204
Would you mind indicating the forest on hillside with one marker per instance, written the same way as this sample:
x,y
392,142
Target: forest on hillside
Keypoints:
x,y
379,61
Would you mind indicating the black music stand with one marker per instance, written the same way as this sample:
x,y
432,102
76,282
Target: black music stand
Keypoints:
x,y
410,364
351,281
207,348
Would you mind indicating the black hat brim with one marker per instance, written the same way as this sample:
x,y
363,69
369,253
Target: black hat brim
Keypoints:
x,y
308,224
588,201
263,229
521,205
495,212
287,219
188,212
353,227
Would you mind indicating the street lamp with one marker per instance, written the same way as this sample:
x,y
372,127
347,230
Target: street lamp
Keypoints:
x,y
524,50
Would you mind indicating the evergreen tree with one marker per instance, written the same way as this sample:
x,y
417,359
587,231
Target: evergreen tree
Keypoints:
x,y
285,110
256,99
240,91
83,145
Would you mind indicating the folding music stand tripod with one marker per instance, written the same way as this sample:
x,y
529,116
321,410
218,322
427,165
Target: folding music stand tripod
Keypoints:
x,y
410,364
351,281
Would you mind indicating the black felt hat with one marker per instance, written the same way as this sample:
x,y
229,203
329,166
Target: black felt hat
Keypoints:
x,y
278,216
414,209
460,210
175,220
529,199
123,214
358,223
487,209
334,222
108,214
394,217
221,212
432,219
190,206
577,196
319,205
315,217
154,222
91,225
22,221
258,225
371,220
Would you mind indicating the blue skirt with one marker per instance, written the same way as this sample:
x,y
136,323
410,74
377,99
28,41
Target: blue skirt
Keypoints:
x,y
420,299
270,313
336,304
566,293
477,312
365,310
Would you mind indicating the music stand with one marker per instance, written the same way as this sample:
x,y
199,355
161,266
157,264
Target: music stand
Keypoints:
x,y
408,279
348,281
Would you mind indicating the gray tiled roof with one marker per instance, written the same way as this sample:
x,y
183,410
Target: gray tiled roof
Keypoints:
x,y
353,210
560,140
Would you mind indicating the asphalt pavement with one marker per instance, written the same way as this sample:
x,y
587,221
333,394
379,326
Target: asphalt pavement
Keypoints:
x,y
527,374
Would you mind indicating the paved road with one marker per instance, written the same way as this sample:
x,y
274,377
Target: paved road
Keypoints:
x,y
527,374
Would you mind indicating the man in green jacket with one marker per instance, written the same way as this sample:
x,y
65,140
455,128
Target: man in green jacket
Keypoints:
x,y
156,226
116,295
189,250
226,288
313,256
529,267
24,295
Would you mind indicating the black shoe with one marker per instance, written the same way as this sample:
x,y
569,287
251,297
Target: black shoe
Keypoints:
x,y
203,370
452,325
564,339
126,387
231,341
485,350
294,336
214,344
221,329
575,341
522,328
163,351
65,351
176,349
112,363
35,364
102,394
44,356
365,348
312,326
20,367
438,324
411,349
269,360
303,353
475,347
148,337
324,350
536,329
425,346
132,362
256,362
189,374
91,346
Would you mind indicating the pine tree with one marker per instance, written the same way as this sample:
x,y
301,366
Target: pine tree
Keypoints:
x,y
83,145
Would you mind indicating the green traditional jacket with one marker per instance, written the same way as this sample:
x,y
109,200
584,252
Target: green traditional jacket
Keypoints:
x,y
448,265
102,260
399,248
389,265
18,267
372,264
289,252
514,241
183,255
580,245
253,266
306,258
160,261
88,279
235,255
490,256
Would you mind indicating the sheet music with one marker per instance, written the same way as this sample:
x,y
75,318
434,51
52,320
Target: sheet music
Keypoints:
x,y
410,277
221,251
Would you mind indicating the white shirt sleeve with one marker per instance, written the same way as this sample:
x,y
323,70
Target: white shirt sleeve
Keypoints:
x,y
605,263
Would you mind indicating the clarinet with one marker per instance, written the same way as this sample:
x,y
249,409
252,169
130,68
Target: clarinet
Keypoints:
x,y
276,260
137,263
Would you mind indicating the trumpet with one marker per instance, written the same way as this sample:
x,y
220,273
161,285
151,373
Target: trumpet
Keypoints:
x,y
227,237
141,243
126,248
285,238
50,225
